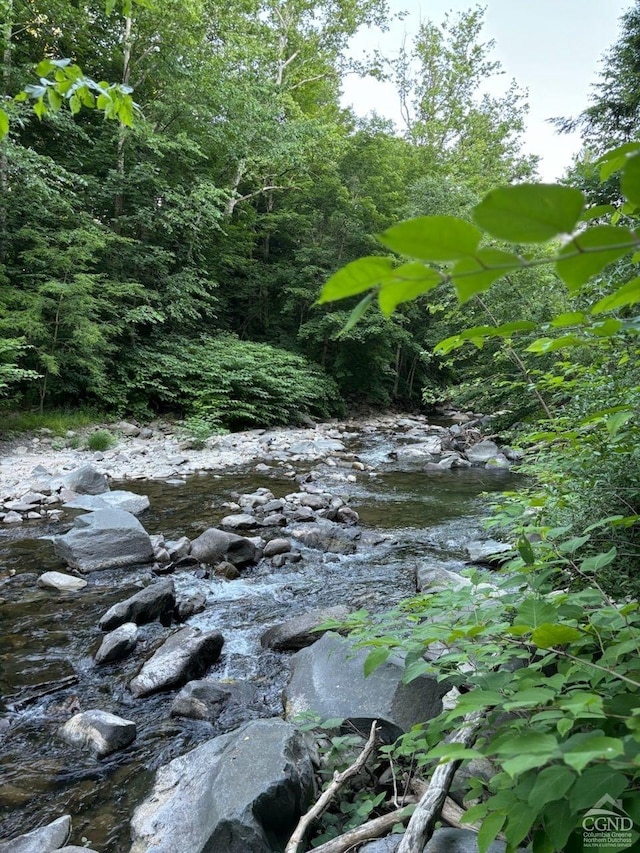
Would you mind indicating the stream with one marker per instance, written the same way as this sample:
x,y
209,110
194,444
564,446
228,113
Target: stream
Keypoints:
x,y
47,637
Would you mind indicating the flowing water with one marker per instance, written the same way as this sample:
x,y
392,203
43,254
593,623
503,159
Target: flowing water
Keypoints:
x,y
48,639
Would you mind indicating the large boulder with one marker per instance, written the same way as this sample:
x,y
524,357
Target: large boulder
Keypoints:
x,y
155,601
239,793
45,839
328,679
301,631
119,499
186,654
486,452
86,481
104,539
98,731
207,699
327,536
216,546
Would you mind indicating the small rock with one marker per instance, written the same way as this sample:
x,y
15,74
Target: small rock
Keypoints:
x,y
179,549
86,481
61,581
239,521
301,631
118,644
155,601
99,731
226,570
187,607
206,699
276,546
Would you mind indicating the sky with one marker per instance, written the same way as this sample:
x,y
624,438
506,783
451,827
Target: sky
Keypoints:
x,y
552,48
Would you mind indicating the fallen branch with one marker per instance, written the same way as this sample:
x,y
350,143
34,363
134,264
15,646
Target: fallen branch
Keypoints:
x,y
422,823
451,813
376,828
324,800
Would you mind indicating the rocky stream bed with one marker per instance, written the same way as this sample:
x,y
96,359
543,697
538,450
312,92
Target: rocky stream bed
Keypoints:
x,y
157,607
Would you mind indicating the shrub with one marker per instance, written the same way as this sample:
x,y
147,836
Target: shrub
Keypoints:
x,y
99,440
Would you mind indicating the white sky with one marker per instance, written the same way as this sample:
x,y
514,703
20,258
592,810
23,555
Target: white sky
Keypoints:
x,y
552,48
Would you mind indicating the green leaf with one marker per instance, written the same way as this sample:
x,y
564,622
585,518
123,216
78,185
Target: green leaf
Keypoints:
x,y
39,108
529,698
626,295
4,124
519,823
356,314
356,277
534,612
630,180
571,318
594,783
529,213
615,422
597,211
614,159
599,561
476,700
453,752
544,345
580,751
433,238
491,826
477,274
406,283
546,636
375,659
559,823
526,551
552,783
590,252
54,98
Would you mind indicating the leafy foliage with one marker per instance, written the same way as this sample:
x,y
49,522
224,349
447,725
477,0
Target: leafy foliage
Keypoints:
x,y
231,382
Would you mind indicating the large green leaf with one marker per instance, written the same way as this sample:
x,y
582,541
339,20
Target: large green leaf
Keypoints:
x,y
584,748
534,612
529,213
491,826
590,252
477,274
594,783
4,124
615,159
551,784
406,283
356,277
433,238
546,636
626,295
630,180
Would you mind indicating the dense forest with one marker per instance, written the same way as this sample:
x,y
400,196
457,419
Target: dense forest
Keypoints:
x,y
176,262
166,265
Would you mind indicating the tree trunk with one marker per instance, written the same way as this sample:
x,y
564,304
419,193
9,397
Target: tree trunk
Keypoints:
x,y
118,204
7,34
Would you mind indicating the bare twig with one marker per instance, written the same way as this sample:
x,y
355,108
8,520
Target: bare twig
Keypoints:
x,y
327,796
423,819
367,832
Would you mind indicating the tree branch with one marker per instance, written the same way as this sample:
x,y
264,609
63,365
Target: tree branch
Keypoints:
x,y
324,800
421,825
376,828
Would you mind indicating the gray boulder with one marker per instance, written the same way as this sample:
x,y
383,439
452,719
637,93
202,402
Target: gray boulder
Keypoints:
x,y
487,551
240,521
328,679
74,849
217,546
327,536
300,632
382,845
155,601
486,452
61,581
185,655
45,839
276,546
86,481
238,793
118,644
104,539
434,578
207,699
98,731
459,841
118,499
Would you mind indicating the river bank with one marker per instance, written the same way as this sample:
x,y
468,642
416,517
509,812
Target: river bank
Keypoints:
x,y
407,509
